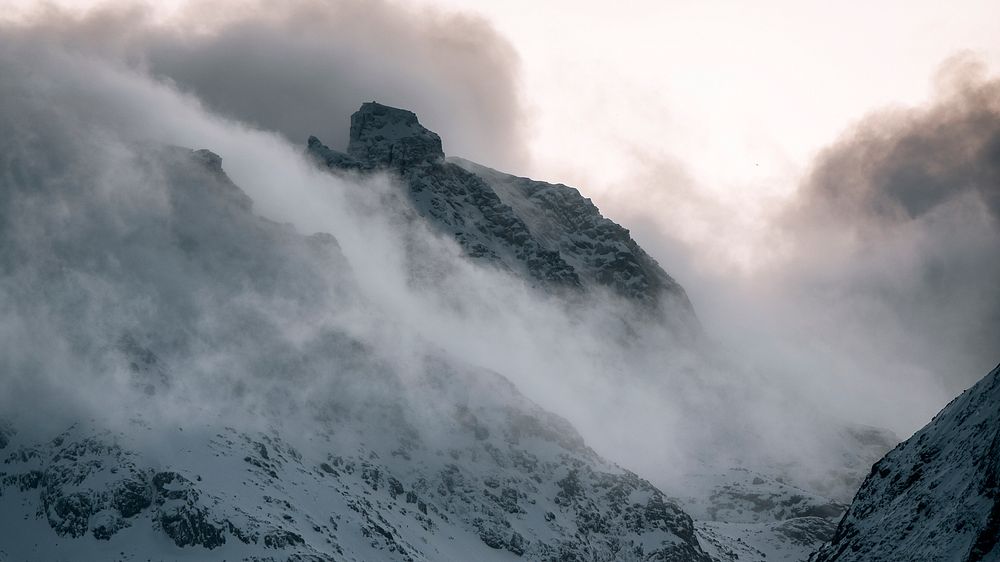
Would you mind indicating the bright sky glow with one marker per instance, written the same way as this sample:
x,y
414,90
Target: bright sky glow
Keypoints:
x,y
742,94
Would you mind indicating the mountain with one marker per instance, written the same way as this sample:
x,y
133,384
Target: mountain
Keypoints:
x,y
936,496
548,232
193,381
491,483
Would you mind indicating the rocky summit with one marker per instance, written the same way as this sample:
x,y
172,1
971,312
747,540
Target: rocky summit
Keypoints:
x,y
548,233
386,136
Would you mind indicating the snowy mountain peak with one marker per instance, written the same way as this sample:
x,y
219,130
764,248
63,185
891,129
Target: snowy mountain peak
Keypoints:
x,y
383,135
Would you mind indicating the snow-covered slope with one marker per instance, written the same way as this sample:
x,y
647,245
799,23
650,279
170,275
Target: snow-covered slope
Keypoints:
x,y
740,495
494,483
936,496
792,540
550,233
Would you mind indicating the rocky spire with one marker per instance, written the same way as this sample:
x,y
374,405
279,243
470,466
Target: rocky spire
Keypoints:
x,y
383,135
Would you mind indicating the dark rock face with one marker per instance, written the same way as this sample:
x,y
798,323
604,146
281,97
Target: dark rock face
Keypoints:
x,y
549,233
386,136
936,495
599,250
5,434
181,516
457,203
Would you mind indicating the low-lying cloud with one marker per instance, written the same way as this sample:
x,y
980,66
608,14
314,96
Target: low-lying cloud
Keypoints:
x,y
901,165
876,283
901,219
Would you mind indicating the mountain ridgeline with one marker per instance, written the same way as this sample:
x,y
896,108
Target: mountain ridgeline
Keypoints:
x,y
549,233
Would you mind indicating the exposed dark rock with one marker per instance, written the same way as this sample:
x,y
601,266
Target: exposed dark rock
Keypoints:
x,y
131,496
387,136
70,514
807,530
282,539
601,252
180,515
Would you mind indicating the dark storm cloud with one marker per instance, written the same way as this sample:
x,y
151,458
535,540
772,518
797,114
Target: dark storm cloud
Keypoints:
x,y
875,289
898,225
901,165
302,67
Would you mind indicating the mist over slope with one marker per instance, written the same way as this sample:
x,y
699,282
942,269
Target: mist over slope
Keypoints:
x,y
209,362
256,414
827,320
142,292
458,336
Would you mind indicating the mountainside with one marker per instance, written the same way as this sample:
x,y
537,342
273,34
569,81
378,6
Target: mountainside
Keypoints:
x,y
550,233
491,482
236,395
936,496
216,384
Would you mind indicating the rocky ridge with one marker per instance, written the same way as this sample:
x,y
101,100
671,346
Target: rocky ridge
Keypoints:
x,y
549,233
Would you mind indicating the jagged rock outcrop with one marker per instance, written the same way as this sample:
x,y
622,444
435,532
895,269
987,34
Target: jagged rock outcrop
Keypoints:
x,y
936,496
550,233
386,136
